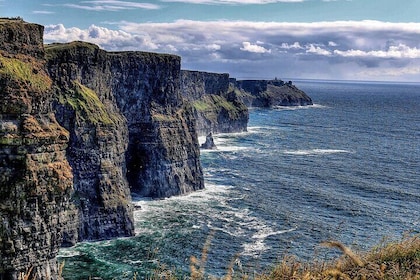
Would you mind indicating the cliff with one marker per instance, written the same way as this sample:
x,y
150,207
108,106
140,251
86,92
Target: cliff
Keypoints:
x,y
129,132
84,105
271,93
217,106
35,176
80,129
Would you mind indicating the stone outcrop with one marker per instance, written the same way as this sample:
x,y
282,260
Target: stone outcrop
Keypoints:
x,y
209,144
271,93
217,106
35,176
85,106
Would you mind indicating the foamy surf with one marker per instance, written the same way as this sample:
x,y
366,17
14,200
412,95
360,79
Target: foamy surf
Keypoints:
x,y
292,108
311,152
266,233
224,143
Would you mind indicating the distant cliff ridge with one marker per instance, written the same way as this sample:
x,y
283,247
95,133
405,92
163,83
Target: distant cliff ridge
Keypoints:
x,y
271,93
217,106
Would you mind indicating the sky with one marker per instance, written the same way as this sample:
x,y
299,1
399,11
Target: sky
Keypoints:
x,y
375,40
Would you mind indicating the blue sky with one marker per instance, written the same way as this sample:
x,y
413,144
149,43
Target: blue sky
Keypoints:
x,y
288,39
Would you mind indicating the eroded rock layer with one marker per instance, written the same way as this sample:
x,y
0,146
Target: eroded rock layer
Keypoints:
x,y
86,107
35,176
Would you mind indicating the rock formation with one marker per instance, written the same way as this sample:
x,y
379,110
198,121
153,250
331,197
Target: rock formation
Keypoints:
x,y
85,106
35,176
270,93
209,144
217,106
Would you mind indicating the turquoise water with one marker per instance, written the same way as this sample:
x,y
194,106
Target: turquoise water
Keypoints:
x,y
345,169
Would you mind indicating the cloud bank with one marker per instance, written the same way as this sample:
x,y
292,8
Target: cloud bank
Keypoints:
x,y
340,49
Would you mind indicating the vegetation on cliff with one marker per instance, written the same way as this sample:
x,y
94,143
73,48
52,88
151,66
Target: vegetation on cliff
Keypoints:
x,y
26,71
87,105
216,103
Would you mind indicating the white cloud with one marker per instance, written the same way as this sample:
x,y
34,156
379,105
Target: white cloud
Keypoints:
x,y
248,47
43,12
295,45
111,5
104,37
235,2
313,49
400,51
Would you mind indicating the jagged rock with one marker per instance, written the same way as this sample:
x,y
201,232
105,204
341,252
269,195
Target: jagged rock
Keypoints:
x,y
217,106
209,144
270,93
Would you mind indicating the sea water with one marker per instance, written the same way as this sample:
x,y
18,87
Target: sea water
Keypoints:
x,y
345,169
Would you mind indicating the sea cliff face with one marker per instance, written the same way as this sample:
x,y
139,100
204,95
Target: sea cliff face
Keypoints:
x,y
85,106
130,131
35,175
271,93
80,129
217,106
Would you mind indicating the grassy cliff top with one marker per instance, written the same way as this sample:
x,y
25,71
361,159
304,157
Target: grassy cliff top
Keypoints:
x,y
65,46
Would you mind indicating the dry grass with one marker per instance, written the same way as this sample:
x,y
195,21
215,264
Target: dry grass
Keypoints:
x,y
389,260
394,260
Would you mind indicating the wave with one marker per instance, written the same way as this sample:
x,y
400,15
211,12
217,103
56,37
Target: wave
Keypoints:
x,y
311,152
224,143
264,234
292,108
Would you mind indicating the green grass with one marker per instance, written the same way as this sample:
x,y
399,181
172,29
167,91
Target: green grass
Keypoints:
x,y
216,103
87,105
26,73
54,50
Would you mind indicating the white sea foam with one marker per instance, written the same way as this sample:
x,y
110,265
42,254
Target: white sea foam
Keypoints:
x,y
68,253
292,108
310,152
224,143
264,233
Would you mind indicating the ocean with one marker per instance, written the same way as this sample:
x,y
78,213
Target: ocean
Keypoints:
x,y
345,169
